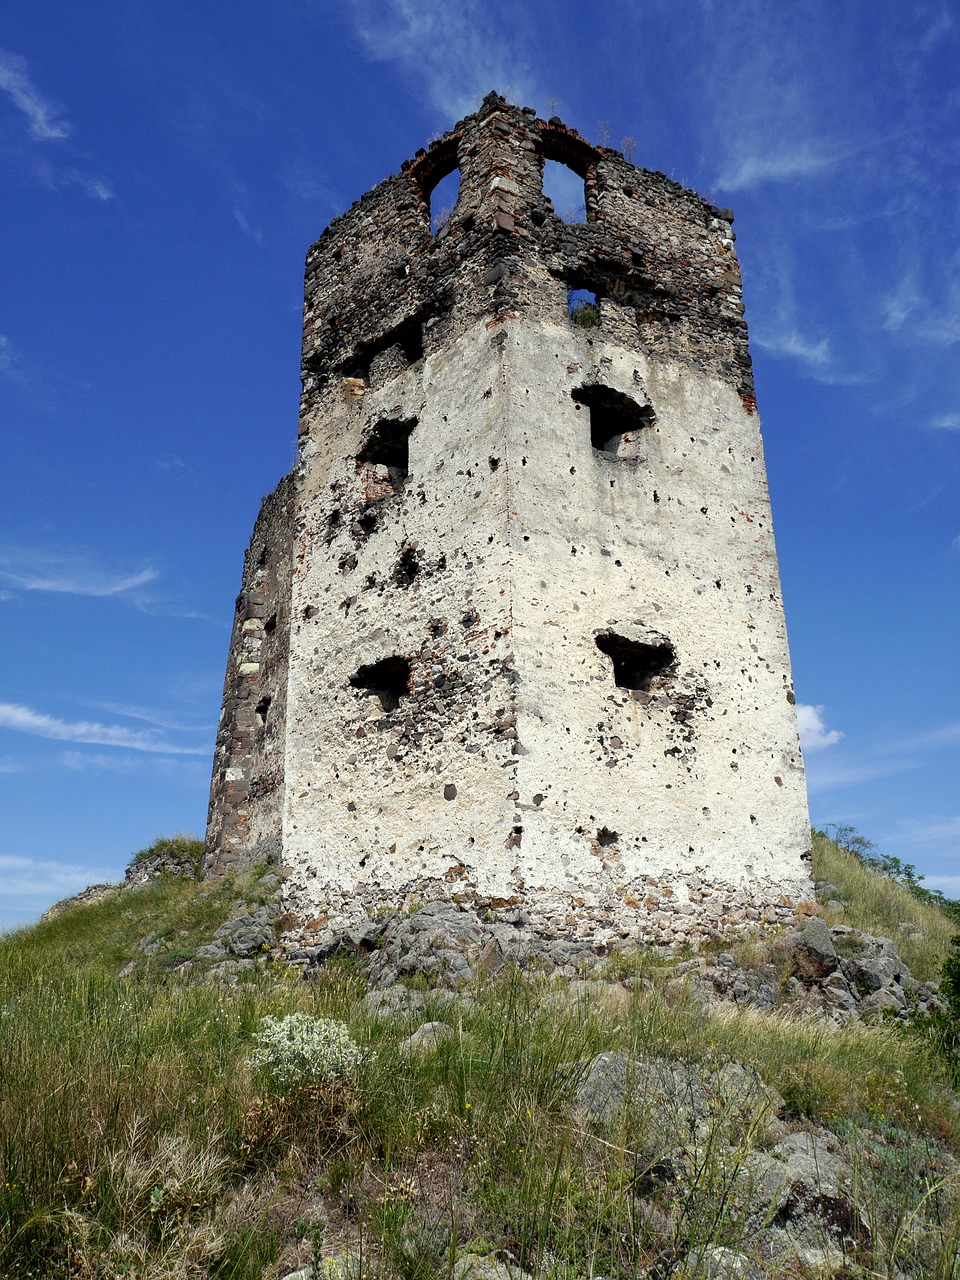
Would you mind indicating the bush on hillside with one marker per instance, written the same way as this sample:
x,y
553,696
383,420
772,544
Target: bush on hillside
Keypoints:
x,y
178,854
302,1050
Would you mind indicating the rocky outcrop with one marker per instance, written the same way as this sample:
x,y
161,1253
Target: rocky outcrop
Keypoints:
x,y
838,972
834,972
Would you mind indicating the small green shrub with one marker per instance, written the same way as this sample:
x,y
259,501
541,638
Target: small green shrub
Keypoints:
x,y
586,315
187,851
301,1050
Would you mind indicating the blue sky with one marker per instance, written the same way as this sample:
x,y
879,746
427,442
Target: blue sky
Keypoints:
x,y
164,168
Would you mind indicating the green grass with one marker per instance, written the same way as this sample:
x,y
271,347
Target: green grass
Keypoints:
x,y
135,1139
102,937
877,904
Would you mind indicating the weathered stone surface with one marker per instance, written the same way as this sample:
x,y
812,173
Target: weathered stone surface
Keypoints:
x,y
682,1101
815,956
520,566
426,1039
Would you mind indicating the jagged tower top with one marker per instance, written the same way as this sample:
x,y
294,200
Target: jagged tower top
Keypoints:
x,y
659,257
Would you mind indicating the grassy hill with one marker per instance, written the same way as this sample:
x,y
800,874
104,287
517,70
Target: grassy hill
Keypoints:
x,y
138,1137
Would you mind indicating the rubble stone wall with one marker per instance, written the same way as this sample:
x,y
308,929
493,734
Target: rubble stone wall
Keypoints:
x,y
246,793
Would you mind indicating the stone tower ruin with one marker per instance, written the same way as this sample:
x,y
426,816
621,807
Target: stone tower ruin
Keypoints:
x,y
511,631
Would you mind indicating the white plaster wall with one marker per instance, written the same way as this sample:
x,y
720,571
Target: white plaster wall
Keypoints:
x,y
367,792
518,521
593,549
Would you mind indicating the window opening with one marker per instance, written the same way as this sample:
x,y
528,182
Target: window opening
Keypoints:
x,y
443,200
390,353
583,306
388,680
616,420
386,448
565,190
635,664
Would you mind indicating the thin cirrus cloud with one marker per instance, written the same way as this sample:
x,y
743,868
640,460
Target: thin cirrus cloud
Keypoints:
x,y
37,723
451,50
44,118
778,165
840,769
68,574
45,124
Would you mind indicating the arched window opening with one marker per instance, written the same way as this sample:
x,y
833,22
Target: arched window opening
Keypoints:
x,y
437,177
636,665
387,680
617,421
565,190
443,200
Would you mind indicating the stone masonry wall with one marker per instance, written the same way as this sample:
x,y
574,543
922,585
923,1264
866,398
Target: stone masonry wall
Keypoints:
x,y
464,563
246,794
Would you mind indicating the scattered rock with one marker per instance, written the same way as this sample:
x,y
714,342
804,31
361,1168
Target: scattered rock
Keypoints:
x,y
815,956
85,898
426,1039
683,1100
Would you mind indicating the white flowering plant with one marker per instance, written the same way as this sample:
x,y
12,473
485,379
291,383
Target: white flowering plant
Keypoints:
x,y
301,1050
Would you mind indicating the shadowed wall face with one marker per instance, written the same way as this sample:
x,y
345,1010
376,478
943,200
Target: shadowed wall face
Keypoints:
x,y
533,648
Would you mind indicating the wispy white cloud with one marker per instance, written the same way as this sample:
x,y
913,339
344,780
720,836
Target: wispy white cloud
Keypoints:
x,y
45,124
936,831
68,573
946,422
247,227
925,306
44,118
10,366
816,357
881,760
779,164
941,26
20,877
159,719
27,720
950,885
449,48
9,765
56,178
814,734
947,735
789,342
833,772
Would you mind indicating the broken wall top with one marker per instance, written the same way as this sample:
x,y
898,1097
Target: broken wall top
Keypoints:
x,y
381,289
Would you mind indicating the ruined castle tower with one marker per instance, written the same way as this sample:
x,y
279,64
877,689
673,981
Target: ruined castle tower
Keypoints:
x,y
512,628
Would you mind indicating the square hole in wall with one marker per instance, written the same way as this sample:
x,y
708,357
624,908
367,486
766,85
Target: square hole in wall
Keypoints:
x,y
636,664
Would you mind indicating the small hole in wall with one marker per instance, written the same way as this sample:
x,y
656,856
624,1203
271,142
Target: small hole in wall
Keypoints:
x,y
636,664
494,463
388,680
606,837
387,444
263,706
270,624
617,421
583,307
